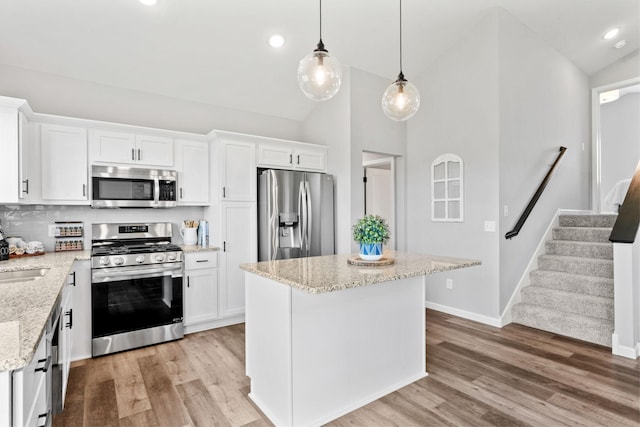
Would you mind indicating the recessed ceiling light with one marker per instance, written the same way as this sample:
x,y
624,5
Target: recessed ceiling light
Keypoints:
x,y
612,33
620,44
276,41
148,2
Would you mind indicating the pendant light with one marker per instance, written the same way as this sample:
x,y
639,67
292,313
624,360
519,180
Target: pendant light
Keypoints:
x,y
319,75
401,99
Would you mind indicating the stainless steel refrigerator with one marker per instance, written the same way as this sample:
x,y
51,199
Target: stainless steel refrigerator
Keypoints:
x,y
295,214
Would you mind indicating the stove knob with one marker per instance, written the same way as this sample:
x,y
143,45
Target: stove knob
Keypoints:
x,y
171,257
104,260
159,257
140,259
118,260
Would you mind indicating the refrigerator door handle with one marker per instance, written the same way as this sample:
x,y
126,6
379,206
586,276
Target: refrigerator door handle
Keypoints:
x,y
273,221
302,212
309,218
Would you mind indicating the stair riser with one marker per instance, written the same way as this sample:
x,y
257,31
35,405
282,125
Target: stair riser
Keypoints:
x,y
582,235
587,220
557,247
579,266
578,284
579,304
597,331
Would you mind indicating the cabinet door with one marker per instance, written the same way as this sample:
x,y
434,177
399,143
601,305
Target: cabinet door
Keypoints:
x,y
201,296
192,160
81,300
112,147
310,159
275,156
154,150
64,163
239,246
24,155
238,169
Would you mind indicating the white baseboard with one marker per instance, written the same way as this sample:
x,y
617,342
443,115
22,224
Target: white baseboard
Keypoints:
x,y
480,318
624,351
218,323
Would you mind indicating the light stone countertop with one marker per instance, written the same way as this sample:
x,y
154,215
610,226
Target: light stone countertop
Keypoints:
x,y
332,272
196,248
25,306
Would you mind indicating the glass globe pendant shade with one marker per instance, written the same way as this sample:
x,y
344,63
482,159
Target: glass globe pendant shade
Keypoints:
x,y
319,75
401,100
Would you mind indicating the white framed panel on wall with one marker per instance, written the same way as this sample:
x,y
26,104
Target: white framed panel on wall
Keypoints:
x,y
447,189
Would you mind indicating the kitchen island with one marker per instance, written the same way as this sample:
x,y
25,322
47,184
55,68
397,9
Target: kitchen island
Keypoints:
x,y
324,337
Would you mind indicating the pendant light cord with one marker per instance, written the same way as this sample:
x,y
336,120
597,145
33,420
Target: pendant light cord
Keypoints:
x,y
401,37
320,19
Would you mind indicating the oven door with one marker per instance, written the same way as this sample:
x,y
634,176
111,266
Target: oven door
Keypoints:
x,y
135,306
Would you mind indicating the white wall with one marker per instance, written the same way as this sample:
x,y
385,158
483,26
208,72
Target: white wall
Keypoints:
x,y
329,124
52,94
544,104
626,68
459,114
620,141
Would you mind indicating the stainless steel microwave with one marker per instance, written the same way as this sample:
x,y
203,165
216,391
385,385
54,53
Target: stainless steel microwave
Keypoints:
x,y
125,187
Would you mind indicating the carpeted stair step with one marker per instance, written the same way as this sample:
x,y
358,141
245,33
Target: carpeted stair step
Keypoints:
x,y
587,220
577,283
586,305
586,328
582,234
576,265
580,249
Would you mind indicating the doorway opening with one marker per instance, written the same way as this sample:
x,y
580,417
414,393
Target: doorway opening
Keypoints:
x,y
616,142
378,177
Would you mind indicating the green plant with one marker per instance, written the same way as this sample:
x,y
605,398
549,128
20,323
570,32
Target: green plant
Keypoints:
x,y
371,229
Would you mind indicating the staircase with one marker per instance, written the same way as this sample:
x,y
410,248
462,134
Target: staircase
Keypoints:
x,y
571,292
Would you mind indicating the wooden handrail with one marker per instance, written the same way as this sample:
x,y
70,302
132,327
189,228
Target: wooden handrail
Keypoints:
x,y
625,228
534,199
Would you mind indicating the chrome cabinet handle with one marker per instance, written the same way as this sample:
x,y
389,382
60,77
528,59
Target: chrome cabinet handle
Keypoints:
x,y
70,314
25,190
290,158
73,275
181,192
188,284
224,192
133,154
298,158
84,190
139,154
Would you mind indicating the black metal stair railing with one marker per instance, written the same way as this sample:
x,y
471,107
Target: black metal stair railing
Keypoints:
x,y
535,197
625,228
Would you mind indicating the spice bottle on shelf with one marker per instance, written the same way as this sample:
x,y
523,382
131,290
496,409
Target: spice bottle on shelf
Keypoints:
x,y
4,246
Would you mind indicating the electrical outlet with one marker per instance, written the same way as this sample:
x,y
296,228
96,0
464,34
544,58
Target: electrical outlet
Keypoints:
x,y
52,230
449,283
506,210
490,226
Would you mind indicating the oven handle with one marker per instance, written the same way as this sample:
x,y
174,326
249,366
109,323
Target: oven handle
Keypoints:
x,y
112,276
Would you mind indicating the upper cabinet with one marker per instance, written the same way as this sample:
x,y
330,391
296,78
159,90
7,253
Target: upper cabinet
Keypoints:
x,y
292,155
13,142
64,164
192,163
238,170
128,148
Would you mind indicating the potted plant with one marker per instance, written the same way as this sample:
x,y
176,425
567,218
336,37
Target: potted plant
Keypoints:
x,y
371,232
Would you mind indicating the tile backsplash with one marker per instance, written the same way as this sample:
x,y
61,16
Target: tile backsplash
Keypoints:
x,y
31,222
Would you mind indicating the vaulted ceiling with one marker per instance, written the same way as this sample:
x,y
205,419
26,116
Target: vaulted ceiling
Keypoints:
x,y
216,51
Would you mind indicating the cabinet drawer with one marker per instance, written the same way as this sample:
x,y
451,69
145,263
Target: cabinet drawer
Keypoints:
x,y
194,261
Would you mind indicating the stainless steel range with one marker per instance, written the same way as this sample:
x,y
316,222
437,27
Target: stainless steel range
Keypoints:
x,y
136,286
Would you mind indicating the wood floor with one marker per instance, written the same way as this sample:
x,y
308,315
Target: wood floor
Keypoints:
x,y
478,376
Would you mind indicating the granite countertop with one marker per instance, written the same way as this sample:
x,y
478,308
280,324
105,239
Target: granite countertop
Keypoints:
x,y
25,306
332,272
196,248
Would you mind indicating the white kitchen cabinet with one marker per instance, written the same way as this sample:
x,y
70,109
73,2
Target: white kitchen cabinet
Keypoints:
x,y
200,289
192,162
239,245
29,390
129,148
26,154
11,141
65,327
238,171
64,164
291,155
81,317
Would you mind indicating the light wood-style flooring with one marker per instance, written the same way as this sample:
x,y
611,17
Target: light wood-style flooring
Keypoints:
x,y
478,376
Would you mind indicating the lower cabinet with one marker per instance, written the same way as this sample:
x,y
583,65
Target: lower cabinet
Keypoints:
x,y
81,314
29,390
200,290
